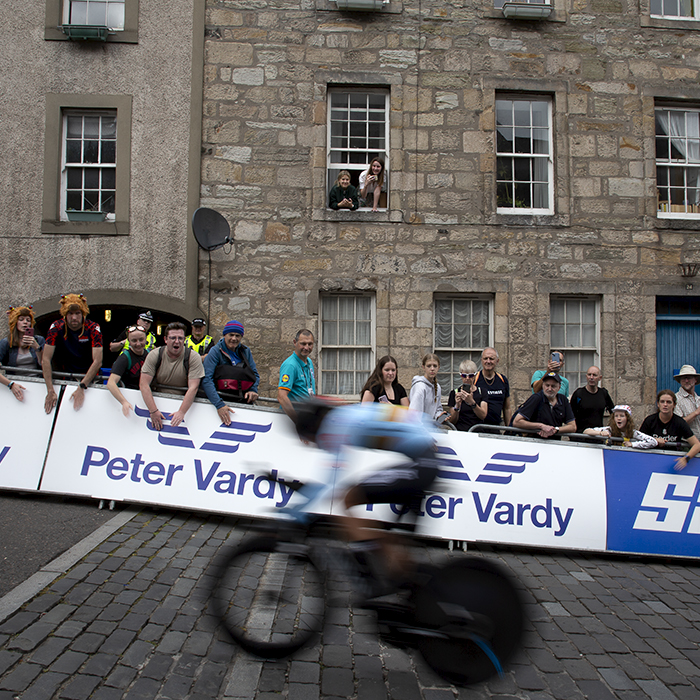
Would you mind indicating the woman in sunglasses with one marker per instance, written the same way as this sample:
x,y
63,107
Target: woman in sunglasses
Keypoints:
x,y
466,405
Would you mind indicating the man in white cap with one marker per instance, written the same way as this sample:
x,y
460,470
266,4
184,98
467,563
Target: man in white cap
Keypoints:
x,y
687,401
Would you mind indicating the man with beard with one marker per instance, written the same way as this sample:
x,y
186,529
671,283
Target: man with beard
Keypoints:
x,y
73,345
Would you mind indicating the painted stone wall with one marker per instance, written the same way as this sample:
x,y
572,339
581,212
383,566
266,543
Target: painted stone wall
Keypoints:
x,y
149,263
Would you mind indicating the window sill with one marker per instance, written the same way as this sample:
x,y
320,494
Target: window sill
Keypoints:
x,y
362,214
497,13
85,228
668,23
530,219
125,36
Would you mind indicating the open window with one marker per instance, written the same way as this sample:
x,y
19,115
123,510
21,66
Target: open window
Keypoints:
x,y
358,132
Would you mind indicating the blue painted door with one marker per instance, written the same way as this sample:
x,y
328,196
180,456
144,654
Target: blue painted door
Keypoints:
x,y
677,338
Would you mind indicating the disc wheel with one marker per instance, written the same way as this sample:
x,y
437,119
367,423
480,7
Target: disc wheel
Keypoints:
x,y
269,595
477,616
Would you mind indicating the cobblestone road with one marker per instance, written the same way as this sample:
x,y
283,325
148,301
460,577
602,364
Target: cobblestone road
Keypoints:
x,y
130,620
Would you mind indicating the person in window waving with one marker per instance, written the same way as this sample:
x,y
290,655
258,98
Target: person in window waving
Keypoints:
x,y
343,195
372,184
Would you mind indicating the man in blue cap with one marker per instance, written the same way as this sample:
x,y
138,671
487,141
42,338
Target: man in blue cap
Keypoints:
x,y
229,366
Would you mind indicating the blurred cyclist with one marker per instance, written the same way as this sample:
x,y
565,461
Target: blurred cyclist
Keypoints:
x,y
376,426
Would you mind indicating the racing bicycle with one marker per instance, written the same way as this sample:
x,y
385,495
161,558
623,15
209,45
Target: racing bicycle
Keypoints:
x,y
465,616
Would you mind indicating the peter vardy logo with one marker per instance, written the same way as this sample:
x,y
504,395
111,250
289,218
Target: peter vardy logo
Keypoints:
x,y
498,470
226,438
671,503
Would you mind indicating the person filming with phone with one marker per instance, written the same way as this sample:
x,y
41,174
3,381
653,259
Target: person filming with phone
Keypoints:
x,y
556,365
467,405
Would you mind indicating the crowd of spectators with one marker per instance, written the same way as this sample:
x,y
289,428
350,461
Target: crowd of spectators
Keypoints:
x,y
190,363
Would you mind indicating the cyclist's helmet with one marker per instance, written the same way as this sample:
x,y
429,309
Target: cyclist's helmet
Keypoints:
x,y
310,415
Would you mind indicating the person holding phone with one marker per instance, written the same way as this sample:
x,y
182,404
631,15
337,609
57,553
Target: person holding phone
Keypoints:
x,y
555,364
21,348
467,405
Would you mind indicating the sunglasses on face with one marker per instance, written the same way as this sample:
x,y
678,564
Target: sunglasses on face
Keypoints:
x,y
471,375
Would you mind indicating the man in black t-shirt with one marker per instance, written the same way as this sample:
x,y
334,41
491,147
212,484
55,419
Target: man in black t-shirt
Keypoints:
x,y
590,402
494,388
666,427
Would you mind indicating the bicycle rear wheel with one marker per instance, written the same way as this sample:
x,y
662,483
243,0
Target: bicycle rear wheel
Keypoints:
x,y
477,616
270,596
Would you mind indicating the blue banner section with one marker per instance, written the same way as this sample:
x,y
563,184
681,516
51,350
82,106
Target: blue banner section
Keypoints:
x,y
652,509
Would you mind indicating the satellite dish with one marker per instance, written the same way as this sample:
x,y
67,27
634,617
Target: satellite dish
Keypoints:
x,y
210,229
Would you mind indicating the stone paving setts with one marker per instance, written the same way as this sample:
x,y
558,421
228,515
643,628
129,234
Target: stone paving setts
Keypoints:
x,y
131,621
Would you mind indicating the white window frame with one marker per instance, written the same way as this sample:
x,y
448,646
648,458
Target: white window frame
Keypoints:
x,y
683,164
85,165
665,10
451,354
110,11
547,158
578,357
330,352
362,156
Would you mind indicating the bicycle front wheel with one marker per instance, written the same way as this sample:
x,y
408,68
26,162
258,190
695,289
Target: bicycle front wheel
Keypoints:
x,y
477,616
270,596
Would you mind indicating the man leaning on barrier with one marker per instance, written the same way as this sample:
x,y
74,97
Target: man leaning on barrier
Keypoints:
x,y
73,345
229,366
547,411
171,367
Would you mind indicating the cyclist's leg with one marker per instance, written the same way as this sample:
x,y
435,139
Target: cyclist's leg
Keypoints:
x,y
404,485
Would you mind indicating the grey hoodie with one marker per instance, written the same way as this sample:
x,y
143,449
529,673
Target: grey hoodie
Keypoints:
x,y
422,397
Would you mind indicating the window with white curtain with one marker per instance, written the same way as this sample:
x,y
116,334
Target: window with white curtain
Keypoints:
x,y
574,330
347,343
462,331
678,162
524,163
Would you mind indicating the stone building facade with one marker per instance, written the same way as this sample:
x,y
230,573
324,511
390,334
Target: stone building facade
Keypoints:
x,y
529,202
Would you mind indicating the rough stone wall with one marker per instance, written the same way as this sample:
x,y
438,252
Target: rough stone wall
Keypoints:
x,y
267,69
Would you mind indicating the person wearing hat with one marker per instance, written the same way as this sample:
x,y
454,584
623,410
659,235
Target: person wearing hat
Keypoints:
x,y
547,411
199,341
73,345
621,426
121,342
21,348
229,366
687,401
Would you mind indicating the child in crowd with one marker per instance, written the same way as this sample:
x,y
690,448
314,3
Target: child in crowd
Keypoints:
x,y
372,184
621,425
343,195
426,393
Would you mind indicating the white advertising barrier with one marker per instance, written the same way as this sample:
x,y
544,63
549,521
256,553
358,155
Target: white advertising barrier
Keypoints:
x,y
511,491
518,492
200,464
24,436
